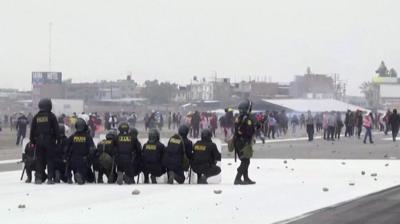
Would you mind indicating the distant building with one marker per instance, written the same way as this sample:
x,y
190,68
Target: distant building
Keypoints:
x,y
215,89
8,93
315,86
260,90
43,87
386,92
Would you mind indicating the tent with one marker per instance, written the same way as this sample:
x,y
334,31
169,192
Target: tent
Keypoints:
x,y
314,105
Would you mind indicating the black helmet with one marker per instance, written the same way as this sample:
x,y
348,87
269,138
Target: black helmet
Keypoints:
x,y
134,132
45,104
154,135
111,134
183,131
206,135
123,128
61,130
80,125
245,107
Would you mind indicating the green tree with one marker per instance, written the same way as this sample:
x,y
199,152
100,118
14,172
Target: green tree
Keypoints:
x,y
159,93
369,91
392,73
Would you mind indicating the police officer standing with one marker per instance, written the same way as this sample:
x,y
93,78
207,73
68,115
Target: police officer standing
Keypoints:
x,y
205,157
245,127
44,135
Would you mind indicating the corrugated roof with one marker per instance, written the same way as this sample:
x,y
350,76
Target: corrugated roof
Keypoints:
x,y
314,105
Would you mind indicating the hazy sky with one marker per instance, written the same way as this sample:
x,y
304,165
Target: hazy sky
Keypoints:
x,y
176,39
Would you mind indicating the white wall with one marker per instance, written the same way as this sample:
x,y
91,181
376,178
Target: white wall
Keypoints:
x,y
67,107
390,91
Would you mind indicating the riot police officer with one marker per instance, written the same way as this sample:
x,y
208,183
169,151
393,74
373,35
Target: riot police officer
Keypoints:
x,y
183,131
44,135
152,155
104,161
80,153
176,158
29,158
60,155
205,157
245,127
127,155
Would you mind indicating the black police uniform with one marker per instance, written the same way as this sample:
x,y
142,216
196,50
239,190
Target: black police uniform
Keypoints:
x,y
175,159
60,158
152,155
245,128
105,153
204,160
128,156
80,153
44,134
29,159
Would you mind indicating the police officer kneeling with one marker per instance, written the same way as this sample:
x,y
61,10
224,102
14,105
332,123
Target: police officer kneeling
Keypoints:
x,y
29,158
205,157
128,155
80,153
60,155
175,158
104,161
152,155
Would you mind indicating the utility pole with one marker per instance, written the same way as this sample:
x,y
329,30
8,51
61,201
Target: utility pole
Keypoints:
x,y
50,30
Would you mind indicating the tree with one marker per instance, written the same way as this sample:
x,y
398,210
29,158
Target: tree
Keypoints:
x,y
392,73
159,93
369,91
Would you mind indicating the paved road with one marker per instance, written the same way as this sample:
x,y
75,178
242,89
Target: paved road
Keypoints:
x,y
345,148
10,166
298,148
380,207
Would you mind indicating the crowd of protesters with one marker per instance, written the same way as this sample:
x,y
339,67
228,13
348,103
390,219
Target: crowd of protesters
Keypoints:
x,y
271,124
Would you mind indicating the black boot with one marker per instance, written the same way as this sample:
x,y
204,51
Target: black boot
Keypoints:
x,y
50,181
57,176
120,178
202,179
29,177
111,178
171,177
38,178
153,179
100,179
79,179
129,180
247,179
146,178
69,181
238,179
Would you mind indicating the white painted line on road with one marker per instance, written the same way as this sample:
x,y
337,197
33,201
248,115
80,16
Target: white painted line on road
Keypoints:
x,y
9,161
388,139
281,140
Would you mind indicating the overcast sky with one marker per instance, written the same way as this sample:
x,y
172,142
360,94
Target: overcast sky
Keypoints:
x,y
176,39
